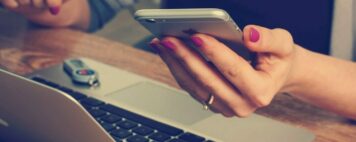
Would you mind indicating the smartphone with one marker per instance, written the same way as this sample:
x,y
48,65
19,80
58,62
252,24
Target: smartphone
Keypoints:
x,y
182,23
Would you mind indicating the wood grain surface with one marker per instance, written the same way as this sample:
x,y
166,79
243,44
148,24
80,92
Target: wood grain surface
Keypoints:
x,y
23,50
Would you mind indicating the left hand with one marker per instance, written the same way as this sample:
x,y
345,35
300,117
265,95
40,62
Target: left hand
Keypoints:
x,y
238,87
53,13
28,7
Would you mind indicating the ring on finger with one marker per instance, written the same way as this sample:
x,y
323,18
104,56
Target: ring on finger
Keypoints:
x,y
210,101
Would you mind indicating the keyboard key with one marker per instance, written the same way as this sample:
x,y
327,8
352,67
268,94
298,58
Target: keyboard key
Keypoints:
x,y
177,140
143,120
65,89
161,137
189,137
137,138
87,107
107,126
111,118
91,102
126,124
54,85
121,133
77,95
39,80
143,130
97,112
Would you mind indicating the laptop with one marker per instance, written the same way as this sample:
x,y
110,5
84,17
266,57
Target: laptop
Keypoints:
x,y
48,106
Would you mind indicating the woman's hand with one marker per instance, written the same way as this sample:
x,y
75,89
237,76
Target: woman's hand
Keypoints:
x,y
53,13
33,6
238,87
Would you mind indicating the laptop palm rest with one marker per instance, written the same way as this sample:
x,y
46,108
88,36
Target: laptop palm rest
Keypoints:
x,y
163,102
167,103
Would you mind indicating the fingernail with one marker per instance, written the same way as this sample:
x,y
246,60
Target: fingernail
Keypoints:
x,y
154,46
197,41
55,10
254,35
168,45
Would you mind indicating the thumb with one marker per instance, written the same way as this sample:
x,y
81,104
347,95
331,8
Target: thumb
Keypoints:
x,y
274,41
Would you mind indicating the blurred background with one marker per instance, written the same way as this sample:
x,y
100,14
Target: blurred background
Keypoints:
x,y
125,29
337,39
342,38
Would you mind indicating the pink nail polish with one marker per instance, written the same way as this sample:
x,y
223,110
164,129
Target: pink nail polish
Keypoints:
x,y
55,10
197,41
168,45
254,35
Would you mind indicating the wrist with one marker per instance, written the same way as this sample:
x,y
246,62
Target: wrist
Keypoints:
x,y
299,72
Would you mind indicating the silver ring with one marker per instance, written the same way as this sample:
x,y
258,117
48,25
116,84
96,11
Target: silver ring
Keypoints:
x,y
210,101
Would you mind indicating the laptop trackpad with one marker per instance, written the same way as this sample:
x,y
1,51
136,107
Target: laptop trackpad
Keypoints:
x,y
161,101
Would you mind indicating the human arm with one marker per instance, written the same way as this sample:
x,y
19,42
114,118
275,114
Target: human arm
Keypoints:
x,y
282,67
53,13
326,82
86,15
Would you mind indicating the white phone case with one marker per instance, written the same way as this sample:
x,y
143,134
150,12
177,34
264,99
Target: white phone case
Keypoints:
x,y
182,23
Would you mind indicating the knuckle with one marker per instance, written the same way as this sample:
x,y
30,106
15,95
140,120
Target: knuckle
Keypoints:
x,y
242,112
283,33
262,101
261,95
209,53
283,39
232,71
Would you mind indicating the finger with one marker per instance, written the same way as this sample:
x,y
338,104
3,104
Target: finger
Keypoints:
x,y
24,2
54,3
235,68
54,6
185,81
10,4
208,77
38,3
260,39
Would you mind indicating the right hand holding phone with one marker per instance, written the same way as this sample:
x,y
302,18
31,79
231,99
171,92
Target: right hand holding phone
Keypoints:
x,y
238,87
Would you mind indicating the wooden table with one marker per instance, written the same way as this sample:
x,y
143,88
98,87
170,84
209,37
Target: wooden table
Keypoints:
x,y
23,50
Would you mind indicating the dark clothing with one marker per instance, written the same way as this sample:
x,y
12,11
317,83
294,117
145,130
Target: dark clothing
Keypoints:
x,y
308,21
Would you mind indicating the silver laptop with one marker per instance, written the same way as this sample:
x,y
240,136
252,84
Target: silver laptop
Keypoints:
x,y
48,106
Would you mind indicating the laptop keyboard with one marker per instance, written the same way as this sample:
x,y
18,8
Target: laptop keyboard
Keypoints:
x,y
125,126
